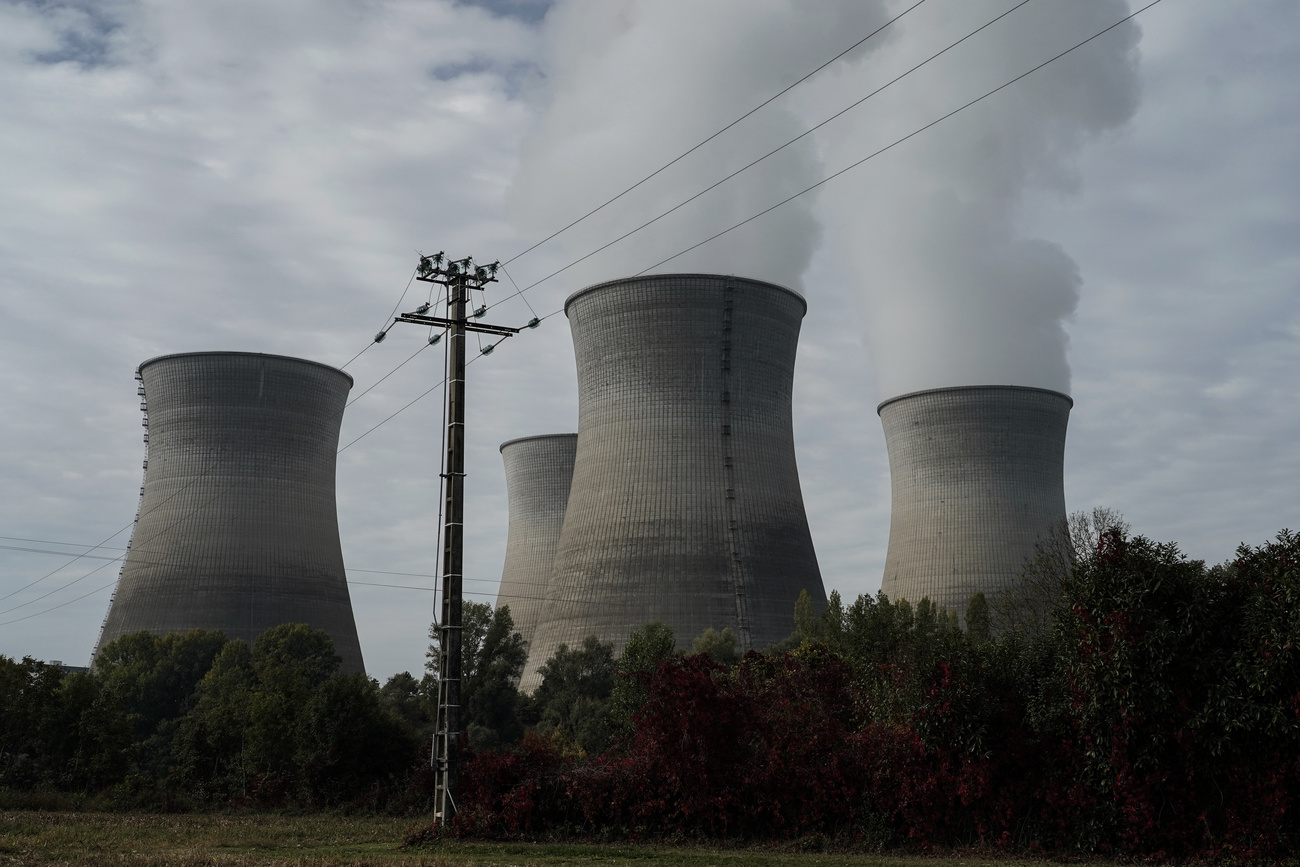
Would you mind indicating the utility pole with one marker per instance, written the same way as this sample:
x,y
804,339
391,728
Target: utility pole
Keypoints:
x,y
461,277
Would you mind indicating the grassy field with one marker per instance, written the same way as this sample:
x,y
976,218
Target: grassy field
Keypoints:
x,y
30,838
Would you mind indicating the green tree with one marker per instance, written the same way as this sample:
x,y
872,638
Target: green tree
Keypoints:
x,y
718,646
212,741
492,659
290,661
646,647
30,715
403,696
153,680
573,698
977,618
349,745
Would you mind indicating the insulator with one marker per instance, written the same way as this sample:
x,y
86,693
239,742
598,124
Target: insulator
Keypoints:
x,y
487,350
379,338
434,338
534,322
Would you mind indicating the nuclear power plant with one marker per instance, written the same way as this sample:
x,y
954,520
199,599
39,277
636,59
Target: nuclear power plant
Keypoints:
x,y
237,528
539,470
977,477
685,504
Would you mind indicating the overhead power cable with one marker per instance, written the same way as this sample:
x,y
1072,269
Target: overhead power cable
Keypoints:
x,y
212,465
771,153
141,543
402,297
53,542
60,605
351,583
897,142
726,231
842,171
696,147
808,189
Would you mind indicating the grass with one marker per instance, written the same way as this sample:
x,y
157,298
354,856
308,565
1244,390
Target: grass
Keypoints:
x,y
146,840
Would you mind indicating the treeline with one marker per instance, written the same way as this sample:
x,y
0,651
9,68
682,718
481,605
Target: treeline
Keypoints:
x,y
194,721
1152,709
1126,700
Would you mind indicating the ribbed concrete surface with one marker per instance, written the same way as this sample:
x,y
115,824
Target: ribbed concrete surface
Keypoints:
x,y
539,470
977,475
685,505
237,528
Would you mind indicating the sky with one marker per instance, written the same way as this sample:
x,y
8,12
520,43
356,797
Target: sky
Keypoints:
x,y
1123,225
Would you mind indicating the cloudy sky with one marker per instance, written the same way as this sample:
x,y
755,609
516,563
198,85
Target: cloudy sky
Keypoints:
x,y
1123,224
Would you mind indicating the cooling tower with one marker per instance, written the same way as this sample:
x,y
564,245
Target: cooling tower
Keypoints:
x,y
539,470
685,504
237,528
977,476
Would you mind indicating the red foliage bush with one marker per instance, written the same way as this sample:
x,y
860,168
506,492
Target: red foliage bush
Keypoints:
x,y
1161,720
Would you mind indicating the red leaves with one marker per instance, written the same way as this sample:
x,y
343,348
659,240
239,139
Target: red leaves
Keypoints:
x,y
1161,719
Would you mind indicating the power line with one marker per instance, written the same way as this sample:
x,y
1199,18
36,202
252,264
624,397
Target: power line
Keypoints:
x,y
693,149
400,298
60,605
711,238
772,152
842,171
215,462
487,351
897,142
141,543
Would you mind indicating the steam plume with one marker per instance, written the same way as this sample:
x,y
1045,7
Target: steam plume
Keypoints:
x,y
632,83
956,291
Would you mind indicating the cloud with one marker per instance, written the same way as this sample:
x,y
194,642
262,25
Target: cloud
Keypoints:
x,y
258,177
225,176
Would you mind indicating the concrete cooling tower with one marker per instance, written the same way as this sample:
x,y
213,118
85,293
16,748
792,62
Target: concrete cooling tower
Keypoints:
x,y
977,476
685,504
237,528
539,470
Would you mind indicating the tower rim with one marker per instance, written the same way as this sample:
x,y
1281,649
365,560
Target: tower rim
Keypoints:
x,y
680,276
524,439
988,387
214,352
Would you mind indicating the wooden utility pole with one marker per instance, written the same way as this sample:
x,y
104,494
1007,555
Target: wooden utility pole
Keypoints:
x,y
461,277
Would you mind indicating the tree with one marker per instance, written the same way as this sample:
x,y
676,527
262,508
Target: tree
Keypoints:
x,y
1029,603
977,618
718,646
349,744
290,662
646,647
152,680
403,696
29,716
492,659
212,741
573,698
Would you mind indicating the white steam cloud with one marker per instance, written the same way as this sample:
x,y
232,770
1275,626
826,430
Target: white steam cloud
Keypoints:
x,y
630,84
956,290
